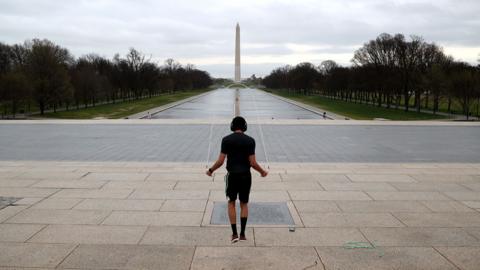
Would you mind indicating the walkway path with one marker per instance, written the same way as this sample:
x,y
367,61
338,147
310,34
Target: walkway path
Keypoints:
x,y
298,141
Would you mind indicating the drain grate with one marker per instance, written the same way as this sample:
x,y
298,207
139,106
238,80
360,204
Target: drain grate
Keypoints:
x,y
260,213
6,201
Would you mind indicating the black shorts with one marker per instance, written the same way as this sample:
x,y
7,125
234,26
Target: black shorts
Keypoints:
x,y
238,183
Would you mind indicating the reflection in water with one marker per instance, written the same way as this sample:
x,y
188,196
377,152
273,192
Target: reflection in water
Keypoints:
x,y
220,103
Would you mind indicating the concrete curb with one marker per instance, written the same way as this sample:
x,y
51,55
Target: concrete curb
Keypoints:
x,y
144,114
225,121
329,115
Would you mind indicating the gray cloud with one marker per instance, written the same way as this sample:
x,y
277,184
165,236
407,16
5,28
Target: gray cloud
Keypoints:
x,y
273,32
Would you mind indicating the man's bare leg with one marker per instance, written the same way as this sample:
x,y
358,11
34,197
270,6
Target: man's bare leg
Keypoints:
x,y
243,219
232,215
243,209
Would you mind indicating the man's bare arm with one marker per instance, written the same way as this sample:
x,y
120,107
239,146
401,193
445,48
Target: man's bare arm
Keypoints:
x,y
218,164
256,166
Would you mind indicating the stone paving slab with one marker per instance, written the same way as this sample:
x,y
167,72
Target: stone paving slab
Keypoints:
x,y
390,178
466,258
114,204
475,231
472,204
165,185
17,182
50,216
307,236
144,218
49,174
280,258
335,178
33,255
129,257
26,192
447,206
385,258
464,196
109,169
169,194
329,195
423,237
116,176
349,220
456,177
69,184
408,196
193,236
18,232
316,206
439,219
297,185
382,206
190,185
358,186
8,173
90,234
200,176
122,193
29,201
10,211
429,186
184,205
57,203
473,186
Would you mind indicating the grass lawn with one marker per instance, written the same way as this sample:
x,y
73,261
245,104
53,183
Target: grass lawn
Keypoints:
x,y
357,111
121,109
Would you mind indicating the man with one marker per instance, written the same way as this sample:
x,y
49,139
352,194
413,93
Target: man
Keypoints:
x,y
239,149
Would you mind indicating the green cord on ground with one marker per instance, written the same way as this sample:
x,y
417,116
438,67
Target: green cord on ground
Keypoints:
x,y
366,245
352,245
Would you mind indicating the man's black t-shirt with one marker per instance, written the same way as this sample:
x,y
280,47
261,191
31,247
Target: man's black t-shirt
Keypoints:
x,y
238,147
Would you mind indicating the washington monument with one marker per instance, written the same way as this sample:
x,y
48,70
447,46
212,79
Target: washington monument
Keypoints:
x,y
237,54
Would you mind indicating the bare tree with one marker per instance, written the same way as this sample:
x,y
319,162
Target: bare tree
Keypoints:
x,y
47,67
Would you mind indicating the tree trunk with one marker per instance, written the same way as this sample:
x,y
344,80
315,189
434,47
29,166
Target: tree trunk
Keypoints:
x,y
417,100
467,107
478,103
426,101
14,108
407,100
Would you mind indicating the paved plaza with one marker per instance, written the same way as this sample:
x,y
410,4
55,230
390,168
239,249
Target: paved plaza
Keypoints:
x,y
132,194
143,215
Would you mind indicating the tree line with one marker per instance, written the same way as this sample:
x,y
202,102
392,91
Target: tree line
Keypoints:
x,y
389,71
43,74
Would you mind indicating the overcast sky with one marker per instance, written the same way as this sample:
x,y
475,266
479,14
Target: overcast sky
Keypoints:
x,y
273,33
